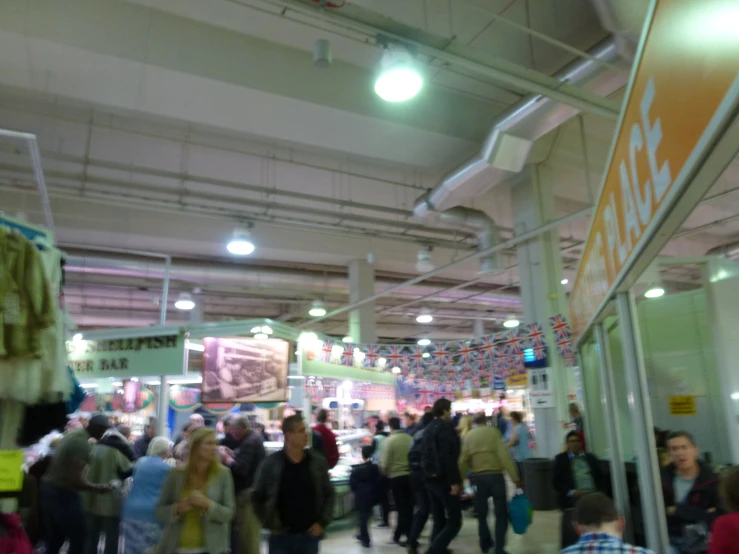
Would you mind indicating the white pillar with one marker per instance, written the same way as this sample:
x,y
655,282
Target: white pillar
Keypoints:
x,y
362,321
478,327
543,295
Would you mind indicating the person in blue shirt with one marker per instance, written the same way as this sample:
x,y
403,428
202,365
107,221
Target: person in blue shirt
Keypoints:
x,y
140,526
600,528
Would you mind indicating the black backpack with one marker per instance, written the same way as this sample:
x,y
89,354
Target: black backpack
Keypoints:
x,y
415,454
429,454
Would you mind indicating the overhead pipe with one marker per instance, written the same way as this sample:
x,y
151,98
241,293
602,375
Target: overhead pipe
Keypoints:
x,y
624,19
506,148
487,232
725,250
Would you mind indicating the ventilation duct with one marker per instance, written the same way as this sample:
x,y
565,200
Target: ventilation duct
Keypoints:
x,y
507,146
625,19
480,222
725,250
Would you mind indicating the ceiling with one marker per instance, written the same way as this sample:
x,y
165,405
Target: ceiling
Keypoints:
x,y
163,124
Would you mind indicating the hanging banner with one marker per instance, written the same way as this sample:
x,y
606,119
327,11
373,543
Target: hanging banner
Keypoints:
x,y
113,402
677,133
129,357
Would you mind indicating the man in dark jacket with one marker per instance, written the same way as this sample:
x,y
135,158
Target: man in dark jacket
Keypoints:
x,y
293,496
418,484
690,488
440,457
365,483
576,472
243,463
114,439
141,445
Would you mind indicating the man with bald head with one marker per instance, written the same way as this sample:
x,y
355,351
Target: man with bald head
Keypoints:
x,y
196,422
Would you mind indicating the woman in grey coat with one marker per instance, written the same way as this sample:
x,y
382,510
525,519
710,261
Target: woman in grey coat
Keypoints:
x,y
197,501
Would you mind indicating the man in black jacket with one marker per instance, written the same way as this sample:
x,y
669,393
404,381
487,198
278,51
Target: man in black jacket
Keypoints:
x,y
365,483
243,463
141,446
418,484
576,472
440,462
293,496
690,488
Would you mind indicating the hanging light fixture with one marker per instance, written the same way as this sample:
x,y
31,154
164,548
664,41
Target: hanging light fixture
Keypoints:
x,y
240,243
184,302
511,323
425,316
424,342
347,339
399,78
424,263
317,309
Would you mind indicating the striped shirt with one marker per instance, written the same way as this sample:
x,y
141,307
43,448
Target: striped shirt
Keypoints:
x,y
602,543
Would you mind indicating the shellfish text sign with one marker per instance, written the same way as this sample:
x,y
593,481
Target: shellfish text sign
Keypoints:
x,y
684,90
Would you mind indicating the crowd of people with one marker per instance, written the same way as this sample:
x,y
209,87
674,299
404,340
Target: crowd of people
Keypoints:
x,y
203,494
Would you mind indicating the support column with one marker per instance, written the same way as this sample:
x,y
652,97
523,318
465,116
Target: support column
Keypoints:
x,y
542,294
362,321
647,464
478,327
613,433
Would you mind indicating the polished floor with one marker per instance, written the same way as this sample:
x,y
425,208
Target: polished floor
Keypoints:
x,y
542,537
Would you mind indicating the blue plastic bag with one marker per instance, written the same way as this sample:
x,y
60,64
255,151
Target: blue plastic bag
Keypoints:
x,y
520,513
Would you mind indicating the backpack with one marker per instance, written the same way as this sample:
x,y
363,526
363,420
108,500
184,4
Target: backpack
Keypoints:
x,y
429,454
415,454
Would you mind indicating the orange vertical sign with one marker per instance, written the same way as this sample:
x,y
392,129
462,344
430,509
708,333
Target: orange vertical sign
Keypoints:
x,y
682,93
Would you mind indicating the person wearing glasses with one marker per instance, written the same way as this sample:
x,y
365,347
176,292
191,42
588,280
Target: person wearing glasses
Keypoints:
x,y
576,473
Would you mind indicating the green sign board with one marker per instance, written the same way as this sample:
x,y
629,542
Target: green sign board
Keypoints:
x,y
129,357
334,371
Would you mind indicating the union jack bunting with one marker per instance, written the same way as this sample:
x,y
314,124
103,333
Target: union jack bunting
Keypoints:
x,y
512,343
415,357
560,327
487,346
395,355
326,350
371,354
535,335
441,354
565,349
466,353
347,356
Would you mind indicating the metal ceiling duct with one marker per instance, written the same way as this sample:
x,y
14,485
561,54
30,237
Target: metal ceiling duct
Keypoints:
x,y
625,19
726,250
506,148
487,232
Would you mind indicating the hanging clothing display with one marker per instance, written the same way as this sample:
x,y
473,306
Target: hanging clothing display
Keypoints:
x,y
33,360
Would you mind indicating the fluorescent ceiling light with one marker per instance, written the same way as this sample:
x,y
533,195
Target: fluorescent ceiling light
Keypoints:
x,y
565,281
347,339
194,346
184,302
510,323
89,385
296,377
317,309
424,342
152,382
240,244
399,78
654,292
187,381
261,336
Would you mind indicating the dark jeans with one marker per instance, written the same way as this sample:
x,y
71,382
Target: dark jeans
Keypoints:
x,y
364,517
99,525
421,500
403,496
447,512
293,543
64,519
491,485
385,500
568,533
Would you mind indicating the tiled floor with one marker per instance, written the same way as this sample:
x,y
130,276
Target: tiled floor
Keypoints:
x,y
542,537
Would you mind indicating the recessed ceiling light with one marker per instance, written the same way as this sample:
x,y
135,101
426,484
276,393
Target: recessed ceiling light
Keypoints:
x,y
184,302
317,309
240,244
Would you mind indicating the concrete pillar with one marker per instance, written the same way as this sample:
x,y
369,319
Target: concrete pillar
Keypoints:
x,y
362,321
197,313
543,295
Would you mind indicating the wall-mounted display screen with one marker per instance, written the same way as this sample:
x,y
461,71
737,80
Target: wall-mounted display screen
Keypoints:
x,y
243,370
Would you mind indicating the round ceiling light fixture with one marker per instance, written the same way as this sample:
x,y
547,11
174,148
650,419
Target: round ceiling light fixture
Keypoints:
x,y
240,243
511,323
654,292
424,318
347,339
565,281
317,309
424,342
184,302
399,78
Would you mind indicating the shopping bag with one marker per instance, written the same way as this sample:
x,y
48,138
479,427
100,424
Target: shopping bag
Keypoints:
x,y
520,513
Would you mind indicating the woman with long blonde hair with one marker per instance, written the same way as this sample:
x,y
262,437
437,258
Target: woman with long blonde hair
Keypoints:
x,y
464,426
197,502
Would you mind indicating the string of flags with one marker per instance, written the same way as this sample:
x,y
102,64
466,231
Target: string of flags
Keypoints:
x,y
443,365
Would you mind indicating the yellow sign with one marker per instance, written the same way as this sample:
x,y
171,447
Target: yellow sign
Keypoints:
x,y
520,380
11,474
682,405
689,65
